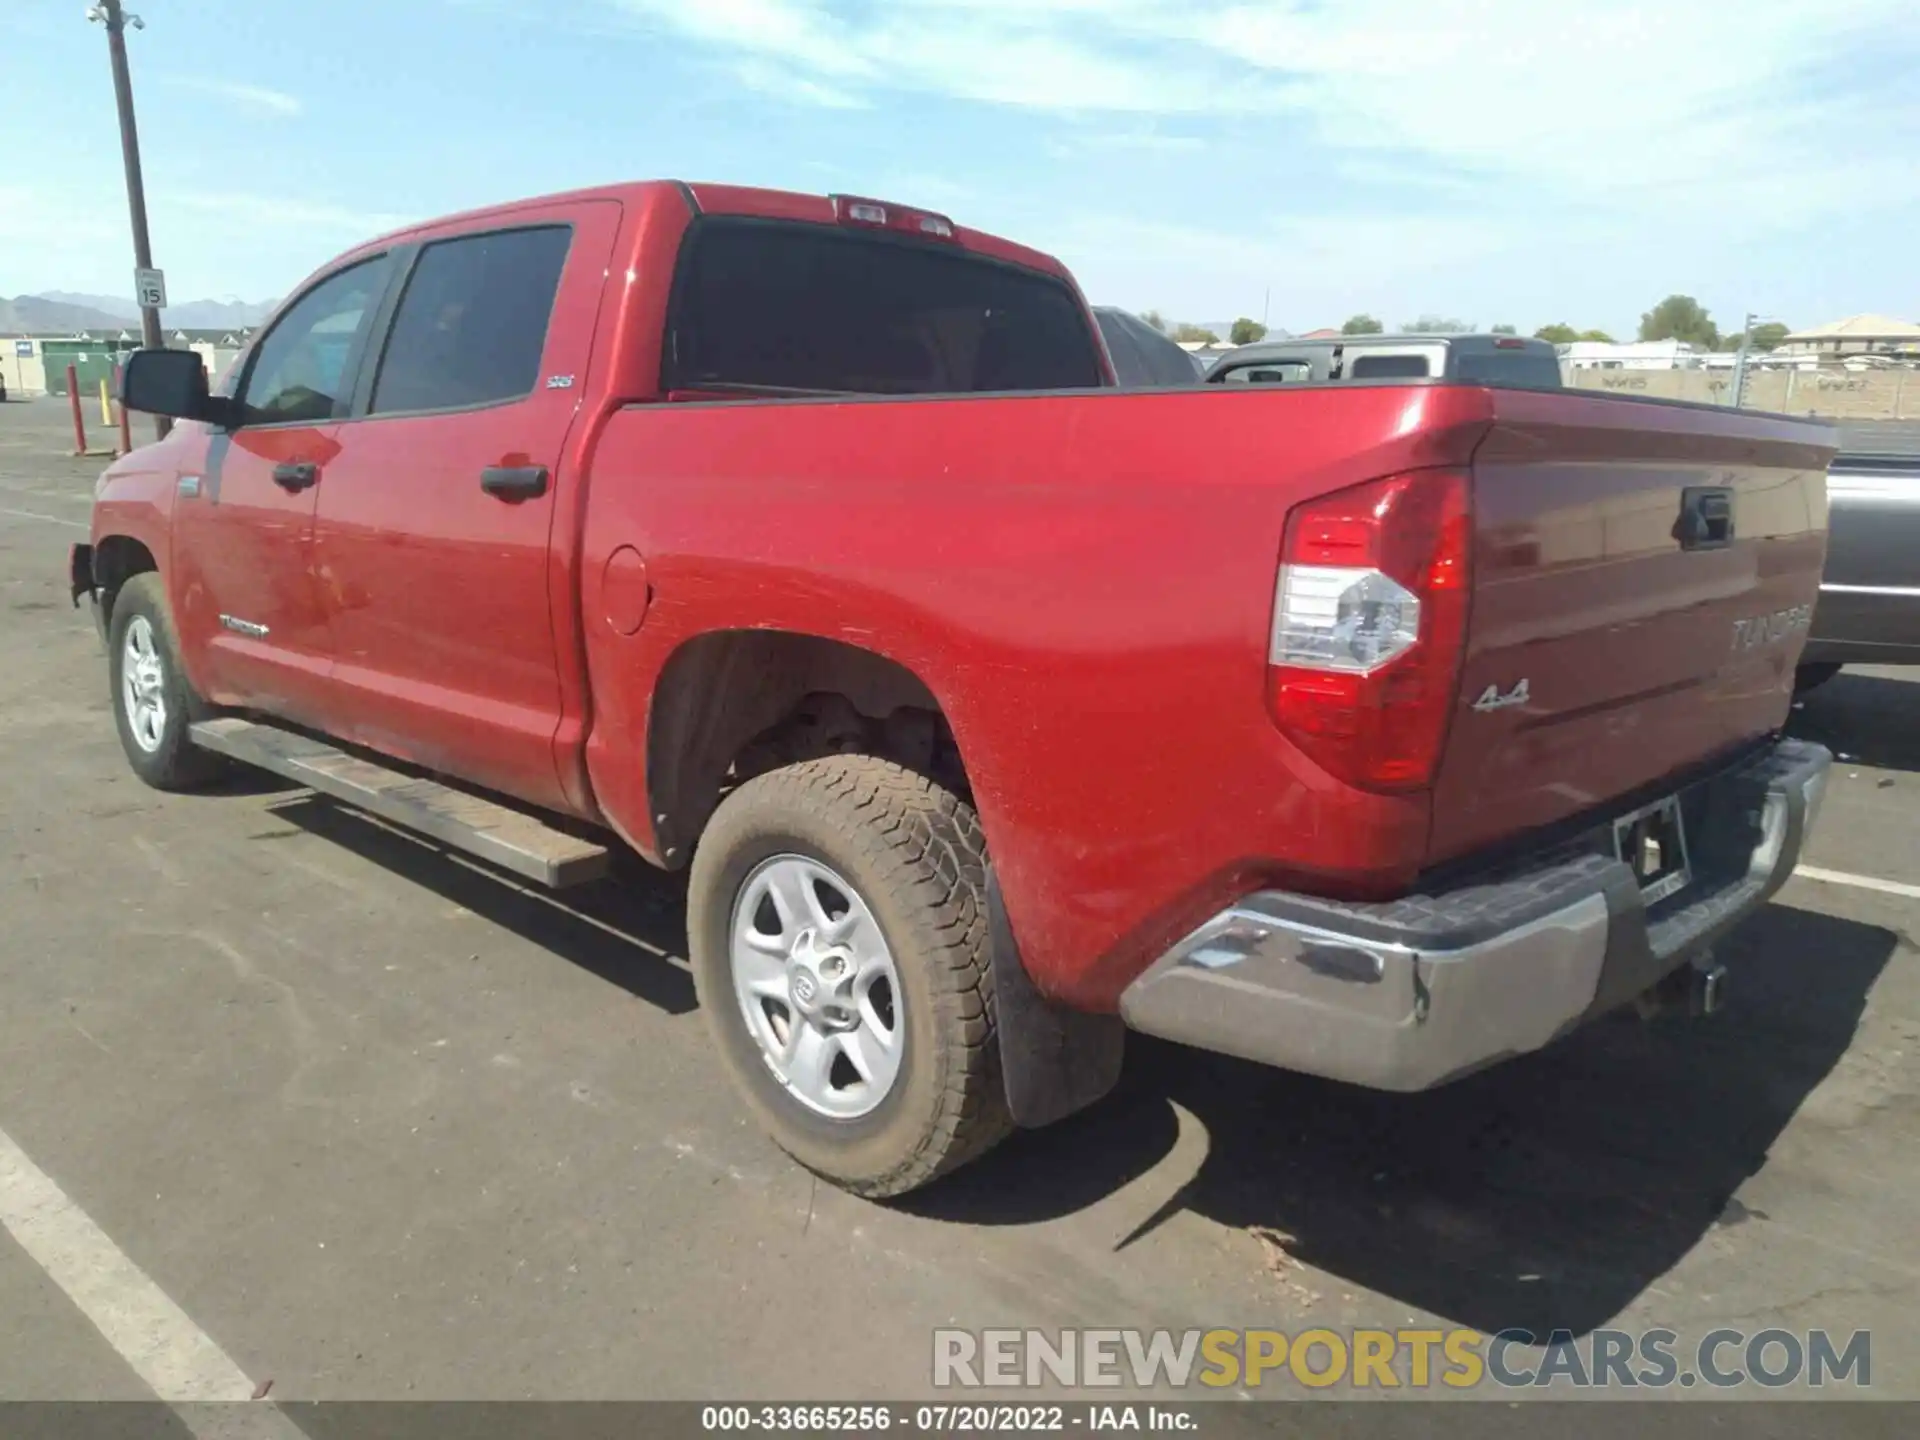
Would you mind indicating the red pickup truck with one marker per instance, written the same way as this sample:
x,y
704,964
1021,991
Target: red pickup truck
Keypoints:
x,y
1379,731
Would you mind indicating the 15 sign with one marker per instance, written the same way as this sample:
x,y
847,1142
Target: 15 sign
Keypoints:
x,y
150,289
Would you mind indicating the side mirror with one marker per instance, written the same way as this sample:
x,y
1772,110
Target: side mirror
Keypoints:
x,y
172,382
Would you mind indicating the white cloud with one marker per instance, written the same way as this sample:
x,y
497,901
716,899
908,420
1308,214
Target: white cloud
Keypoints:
x,y
1108,142
798,32
1585,97
282,212
766,78
1311,267
29,217
257,98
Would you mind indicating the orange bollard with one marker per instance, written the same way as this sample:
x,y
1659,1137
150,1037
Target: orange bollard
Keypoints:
x,y
79,423
126,425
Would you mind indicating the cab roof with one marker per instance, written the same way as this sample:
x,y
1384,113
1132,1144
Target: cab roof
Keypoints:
x,y
707,198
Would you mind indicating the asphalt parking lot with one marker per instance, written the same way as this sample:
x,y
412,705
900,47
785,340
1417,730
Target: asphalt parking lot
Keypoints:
x,y
378,1123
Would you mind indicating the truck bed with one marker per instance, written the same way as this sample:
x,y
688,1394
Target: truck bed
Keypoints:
x,y
1085,581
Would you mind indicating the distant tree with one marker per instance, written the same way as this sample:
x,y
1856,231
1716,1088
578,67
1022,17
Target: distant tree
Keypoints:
x,y
1245,331
1561,333
1363,325
1155,319
1503,330
1765,337
1435,325
1683,318
1187,334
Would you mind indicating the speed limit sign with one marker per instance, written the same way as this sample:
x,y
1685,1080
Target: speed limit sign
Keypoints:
x,y
150,289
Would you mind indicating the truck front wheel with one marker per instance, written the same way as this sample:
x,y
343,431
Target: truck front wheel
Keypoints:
x,y
837,920
152,703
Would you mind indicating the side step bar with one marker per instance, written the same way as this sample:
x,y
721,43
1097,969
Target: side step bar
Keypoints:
x,y
506,837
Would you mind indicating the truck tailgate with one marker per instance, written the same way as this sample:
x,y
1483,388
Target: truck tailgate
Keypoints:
x,y
1643,578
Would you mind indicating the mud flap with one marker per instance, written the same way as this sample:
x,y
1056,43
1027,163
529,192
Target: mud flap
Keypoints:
x,y
1054,1061
80,572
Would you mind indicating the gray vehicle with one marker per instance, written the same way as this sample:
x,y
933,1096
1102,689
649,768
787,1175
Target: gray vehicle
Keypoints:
x,y
1506,360
1141,354
1869,608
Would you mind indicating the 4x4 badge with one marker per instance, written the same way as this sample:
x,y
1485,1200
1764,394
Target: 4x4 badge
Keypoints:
x,y
1492,699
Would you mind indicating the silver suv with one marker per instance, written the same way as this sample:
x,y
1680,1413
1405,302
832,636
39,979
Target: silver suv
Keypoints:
x,y
1504,360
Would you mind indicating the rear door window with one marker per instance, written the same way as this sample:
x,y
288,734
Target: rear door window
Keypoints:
x,y
770,306
1270,372
1388,367
473,321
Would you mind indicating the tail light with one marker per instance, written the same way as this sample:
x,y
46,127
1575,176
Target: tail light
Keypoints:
x,y
1369,620
879,215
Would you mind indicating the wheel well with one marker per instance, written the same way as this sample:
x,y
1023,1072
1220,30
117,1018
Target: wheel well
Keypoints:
x,y
116,560
737,703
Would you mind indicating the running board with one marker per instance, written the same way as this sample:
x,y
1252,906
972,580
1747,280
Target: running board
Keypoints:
x,y
508,838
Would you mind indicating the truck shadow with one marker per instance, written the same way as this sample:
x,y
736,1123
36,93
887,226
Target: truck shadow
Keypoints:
x,y
1868,719
631,931
1548,1192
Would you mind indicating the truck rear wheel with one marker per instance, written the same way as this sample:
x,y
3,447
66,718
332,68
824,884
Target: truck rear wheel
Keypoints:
x,y
837,920
152,703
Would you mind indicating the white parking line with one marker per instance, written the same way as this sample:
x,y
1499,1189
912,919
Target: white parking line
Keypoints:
x,y
179,1361
50,519
1859,882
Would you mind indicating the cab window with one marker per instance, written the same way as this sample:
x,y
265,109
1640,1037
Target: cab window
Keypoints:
x,y
300,367
1389,367
781,307
1270,372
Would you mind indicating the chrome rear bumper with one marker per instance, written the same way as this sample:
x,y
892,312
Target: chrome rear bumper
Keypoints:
x,y
1411,993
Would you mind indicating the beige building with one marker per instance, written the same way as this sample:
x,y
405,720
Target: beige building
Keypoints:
x,y
36,364
1860,335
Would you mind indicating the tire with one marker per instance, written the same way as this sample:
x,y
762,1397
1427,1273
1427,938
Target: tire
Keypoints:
x,y
906,855
1813,676
152,703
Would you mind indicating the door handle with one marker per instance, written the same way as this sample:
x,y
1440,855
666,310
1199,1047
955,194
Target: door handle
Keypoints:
x,y
295,477
514,482
1706,517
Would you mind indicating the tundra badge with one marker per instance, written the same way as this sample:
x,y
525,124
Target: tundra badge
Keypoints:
x,y
1760,630
1492,699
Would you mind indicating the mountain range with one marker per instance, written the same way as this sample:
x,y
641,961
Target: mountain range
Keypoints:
x,y
59,311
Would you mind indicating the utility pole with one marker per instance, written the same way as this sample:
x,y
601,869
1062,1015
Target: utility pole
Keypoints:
x,y
110,14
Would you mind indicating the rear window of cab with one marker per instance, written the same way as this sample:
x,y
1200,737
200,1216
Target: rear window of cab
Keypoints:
x,y
777,306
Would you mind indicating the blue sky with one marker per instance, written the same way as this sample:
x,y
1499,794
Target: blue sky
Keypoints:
x,y
1513,161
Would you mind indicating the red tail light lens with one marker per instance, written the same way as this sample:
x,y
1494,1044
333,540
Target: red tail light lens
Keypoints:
x,y
1370,617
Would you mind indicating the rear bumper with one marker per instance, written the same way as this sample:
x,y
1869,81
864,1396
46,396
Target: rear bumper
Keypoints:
x,y
1409,994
